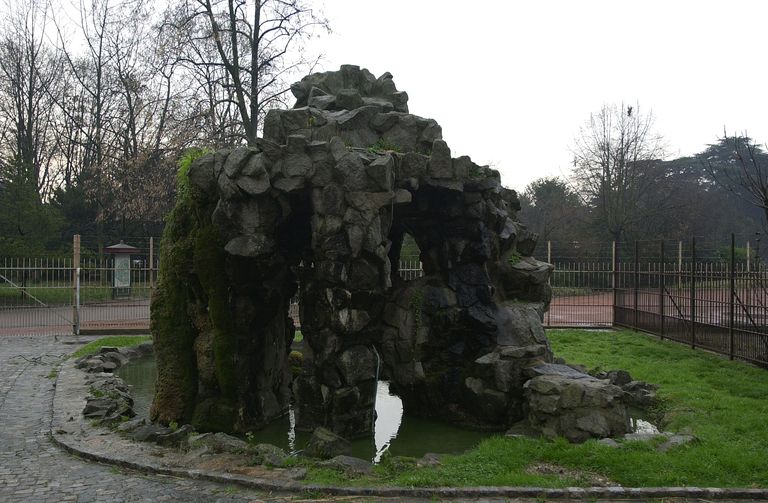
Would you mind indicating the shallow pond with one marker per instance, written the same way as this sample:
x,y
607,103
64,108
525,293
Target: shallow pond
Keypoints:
x,y
394,433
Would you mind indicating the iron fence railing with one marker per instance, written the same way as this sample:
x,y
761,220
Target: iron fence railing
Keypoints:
x,y
710,297
111,298
410,268
36,295
581,295
91,290
714,304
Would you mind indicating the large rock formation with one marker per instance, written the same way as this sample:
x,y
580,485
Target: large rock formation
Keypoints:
x,y
320,206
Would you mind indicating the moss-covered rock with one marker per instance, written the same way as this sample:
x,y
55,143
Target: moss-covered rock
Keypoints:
x,y
172,328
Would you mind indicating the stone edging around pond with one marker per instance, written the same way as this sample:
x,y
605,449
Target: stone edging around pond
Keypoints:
x,y
75,434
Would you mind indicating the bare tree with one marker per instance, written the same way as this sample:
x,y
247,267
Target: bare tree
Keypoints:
x,y
244,51
614,153
29,77
743,170
117,110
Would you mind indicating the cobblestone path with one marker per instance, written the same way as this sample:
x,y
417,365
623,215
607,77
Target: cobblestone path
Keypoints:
x,y
33,469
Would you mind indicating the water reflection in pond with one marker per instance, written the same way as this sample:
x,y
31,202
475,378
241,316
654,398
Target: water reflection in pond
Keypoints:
x,y
394,433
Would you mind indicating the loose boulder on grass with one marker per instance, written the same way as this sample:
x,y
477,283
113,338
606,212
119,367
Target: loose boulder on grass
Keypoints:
x,y
217,443
325,444
348,465
637,393
564,402
268,454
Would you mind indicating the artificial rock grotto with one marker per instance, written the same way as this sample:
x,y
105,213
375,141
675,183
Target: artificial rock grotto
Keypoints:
x,y
319,207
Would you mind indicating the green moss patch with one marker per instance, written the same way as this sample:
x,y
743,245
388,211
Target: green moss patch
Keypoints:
x,y
171,324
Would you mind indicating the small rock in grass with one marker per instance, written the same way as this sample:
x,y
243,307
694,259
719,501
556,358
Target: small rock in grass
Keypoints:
x,y
218,442
268,454
325,444
349,465
429,459
609,442
676,440
296,473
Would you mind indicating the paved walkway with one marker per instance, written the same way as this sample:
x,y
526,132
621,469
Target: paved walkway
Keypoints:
x,y
33,470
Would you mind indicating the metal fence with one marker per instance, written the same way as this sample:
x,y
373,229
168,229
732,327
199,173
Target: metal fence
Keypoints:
x,y
410,268
707,295
89,291
710,303
36,295
106,302
581,295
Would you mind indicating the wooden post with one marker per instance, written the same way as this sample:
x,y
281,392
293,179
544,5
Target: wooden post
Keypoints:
x,y
693,293
151,263
549,252
679,266
614,281
662,272
76,284
637,280
731,303
549,279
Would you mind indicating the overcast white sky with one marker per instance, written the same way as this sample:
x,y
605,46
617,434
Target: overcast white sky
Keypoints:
x,y
511,82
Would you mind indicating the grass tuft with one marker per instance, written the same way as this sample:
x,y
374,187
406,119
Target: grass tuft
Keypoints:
x,y
118,341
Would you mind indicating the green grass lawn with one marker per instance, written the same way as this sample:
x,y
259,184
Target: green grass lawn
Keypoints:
x,y
62,295
117,341
723,403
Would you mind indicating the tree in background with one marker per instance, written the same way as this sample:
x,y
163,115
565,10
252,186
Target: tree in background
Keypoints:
x,y
740,166
615,155
98,102
241,53
695,203
553,210
29,81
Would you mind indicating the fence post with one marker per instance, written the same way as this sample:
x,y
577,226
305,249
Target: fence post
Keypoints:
x,y
679,266
637,280
76,284
662,271
731,303
693,293
151,264
614,282
549,279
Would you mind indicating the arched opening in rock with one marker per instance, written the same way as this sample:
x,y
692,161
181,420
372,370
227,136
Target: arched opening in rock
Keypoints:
x,y
406,266
294,242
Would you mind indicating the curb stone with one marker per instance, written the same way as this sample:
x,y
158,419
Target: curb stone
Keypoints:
x,y
66,441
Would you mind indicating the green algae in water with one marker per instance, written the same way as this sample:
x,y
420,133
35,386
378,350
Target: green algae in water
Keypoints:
x,y
394,433
140,375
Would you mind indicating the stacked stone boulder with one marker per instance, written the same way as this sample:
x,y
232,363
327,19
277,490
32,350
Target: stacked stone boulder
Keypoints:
x,y
564,402
320,206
